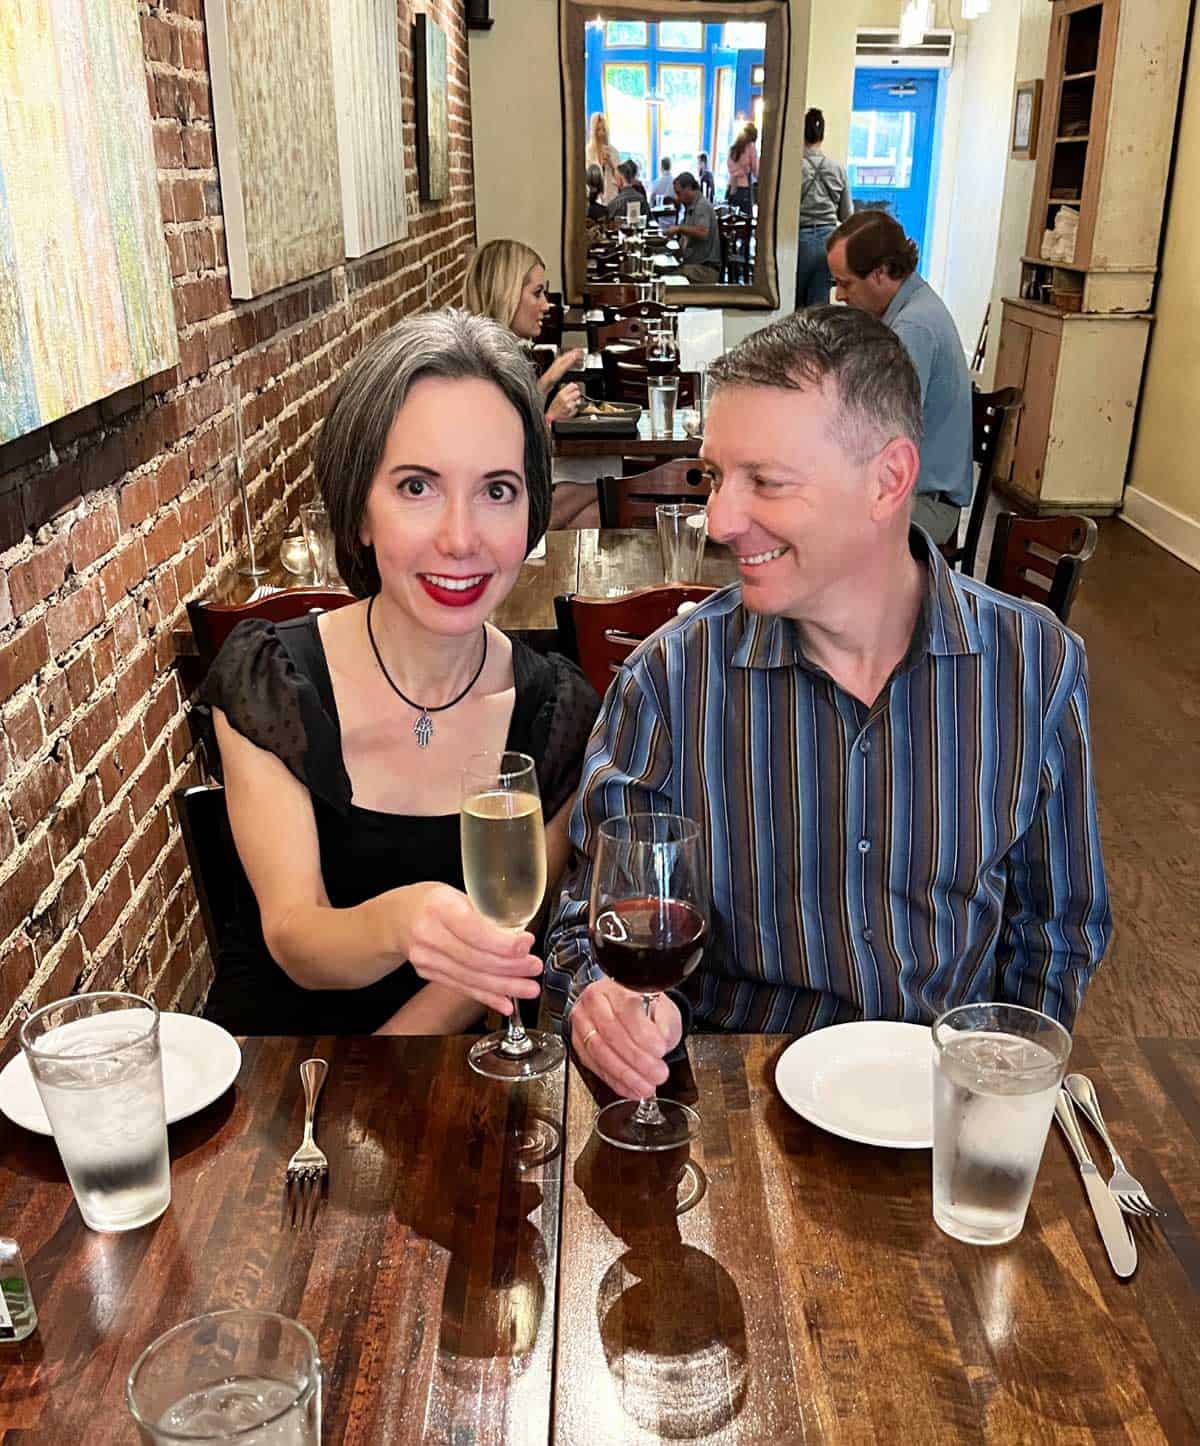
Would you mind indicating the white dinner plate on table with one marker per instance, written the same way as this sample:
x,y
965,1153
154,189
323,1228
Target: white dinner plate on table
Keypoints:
x,y
200,1061
870,1081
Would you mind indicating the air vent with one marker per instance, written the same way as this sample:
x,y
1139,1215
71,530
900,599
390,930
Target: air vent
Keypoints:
x,y
882,48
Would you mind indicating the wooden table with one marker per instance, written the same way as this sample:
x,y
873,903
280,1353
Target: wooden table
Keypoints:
x,y
678,444
804,1294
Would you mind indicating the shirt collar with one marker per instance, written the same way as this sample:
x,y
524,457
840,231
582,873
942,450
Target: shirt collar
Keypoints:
x,y
945,625
901,299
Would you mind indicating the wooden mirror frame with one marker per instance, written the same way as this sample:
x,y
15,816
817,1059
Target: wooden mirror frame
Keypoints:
x,y
762,294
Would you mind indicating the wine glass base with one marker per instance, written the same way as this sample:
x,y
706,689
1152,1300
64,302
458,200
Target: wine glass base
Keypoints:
x,y
486,1057
616,1125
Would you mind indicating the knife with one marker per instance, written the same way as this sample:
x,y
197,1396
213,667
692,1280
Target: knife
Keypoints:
x,y
1114,1232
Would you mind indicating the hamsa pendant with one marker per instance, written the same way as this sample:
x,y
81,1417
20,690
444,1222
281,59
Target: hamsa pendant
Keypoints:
x,y
423,728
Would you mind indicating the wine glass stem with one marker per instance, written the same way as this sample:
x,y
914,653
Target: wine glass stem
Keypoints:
x,y
648,1112
516,1041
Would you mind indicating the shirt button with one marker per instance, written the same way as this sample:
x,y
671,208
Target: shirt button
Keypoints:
x,y
865,745
864,845
868,934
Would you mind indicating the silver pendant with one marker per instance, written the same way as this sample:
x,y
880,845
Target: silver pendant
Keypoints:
x,y
423,728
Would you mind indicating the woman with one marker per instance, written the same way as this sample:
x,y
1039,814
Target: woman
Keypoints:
x,y
345,821
631,190
743,169
600,153
596,210
506,281
824,204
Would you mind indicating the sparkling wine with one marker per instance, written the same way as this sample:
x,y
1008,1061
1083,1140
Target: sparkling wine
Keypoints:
x,y
504,855
649,944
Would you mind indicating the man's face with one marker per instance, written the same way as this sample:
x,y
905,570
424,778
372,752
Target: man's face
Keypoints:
x,y
872,293
800,515
684,195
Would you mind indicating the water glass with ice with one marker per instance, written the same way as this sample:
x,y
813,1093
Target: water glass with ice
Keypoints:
x,y
664,391
97,1064
682,530
248,1376
318,533
996,1077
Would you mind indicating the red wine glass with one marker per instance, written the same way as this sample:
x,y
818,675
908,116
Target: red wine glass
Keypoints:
x,y
648,923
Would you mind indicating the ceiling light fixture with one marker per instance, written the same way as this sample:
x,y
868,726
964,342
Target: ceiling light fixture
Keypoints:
x,y
973,9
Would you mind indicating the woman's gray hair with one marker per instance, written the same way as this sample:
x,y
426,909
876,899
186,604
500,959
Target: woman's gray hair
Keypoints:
x,y
452,344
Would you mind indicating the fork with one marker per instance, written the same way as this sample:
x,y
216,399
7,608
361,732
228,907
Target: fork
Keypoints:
x,y
1124,1189
308,1166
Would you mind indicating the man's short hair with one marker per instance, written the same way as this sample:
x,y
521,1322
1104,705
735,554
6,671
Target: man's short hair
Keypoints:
x,y
629,170
878,390
703,156
874,239
666,163
687,181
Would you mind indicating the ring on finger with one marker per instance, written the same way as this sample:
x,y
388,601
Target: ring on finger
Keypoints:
x,y
595,1029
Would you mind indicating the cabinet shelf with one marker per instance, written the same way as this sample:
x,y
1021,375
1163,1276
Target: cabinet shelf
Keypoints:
x,y
1070,140
1080,75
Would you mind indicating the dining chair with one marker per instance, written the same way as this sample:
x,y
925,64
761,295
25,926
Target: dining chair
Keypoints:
x,y
626,378
644,309
627,328
992,414
608,293
630,501
1041,558
213,622
599,633
217,873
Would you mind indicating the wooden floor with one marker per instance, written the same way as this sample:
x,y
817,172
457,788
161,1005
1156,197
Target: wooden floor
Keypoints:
x,y
1138,611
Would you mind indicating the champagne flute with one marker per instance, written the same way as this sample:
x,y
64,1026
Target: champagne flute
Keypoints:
x,y
648,923
504,868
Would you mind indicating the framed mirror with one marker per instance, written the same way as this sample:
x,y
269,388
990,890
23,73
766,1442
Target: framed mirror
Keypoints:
x,y
679,82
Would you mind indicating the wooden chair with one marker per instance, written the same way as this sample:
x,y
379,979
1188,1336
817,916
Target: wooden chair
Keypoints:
x,y
627,328
644,309
990,415
735,249
217,872
1041,558
630,501
627,380
551,333
601,632
611,293
213,622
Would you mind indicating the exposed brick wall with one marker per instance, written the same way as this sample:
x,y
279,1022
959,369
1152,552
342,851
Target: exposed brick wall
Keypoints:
x,y
112,518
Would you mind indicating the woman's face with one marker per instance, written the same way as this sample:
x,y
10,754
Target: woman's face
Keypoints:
x,y
448,511
601,131
533,305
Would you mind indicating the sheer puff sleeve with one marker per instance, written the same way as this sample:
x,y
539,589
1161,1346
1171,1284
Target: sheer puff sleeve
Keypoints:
x,y
268,700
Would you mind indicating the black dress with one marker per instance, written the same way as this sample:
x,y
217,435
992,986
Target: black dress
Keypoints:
x,y
272,683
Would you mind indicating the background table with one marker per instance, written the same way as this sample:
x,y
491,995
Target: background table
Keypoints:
x,y
678,444
429,1280
808,1295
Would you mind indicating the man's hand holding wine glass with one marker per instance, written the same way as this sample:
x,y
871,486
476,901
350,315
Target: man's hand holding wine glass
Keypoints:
x,y
615,1038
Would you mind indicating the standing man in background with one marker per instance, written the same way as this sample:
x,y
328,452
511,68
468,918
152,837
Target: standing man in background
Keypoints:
x,y
824,202
874,267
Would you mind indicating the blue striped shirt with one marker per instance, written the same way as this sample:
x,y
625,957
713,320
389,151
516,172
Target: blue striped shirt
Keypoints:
x,y
886,862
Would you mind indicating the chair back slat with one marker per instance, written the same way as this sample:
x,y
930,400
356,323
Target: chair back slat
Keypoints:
x,y
604,631
217,872
1041,558
992,415
213,622
628,328
630,501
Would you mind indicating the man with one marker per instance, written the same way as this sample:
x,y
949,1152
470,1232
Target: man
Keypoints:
x,y
631,190
874,267
663,190
708,184
701,255
888,761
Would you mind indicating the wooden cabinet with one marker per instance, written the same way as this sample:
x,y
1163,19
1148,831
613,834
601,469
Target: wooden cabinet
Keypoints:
x,y
1080,376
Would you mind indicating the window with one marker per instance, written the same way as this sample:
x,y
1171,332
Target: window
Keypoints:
x,y
626,87
722,123
681,115
681,34
881,149
758,74
745,35
620,34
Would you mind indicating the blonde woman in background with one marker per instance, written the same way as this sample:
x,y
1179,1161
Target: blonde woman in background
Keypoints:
x,y
506,281
601,153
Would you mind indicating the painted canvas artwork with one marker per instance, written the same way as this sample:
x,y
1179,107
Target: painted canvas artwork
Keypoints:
x,y
366,82
85,286
271,67
433,119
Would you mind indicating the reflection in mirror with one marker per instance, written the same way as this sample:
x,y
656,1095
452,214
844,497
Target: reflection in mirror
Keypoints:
x,y
674,112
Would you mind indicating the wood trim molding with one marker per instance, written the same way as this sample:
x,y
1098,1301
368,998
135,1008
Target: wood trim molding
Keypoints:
x,y
763,293
1171,529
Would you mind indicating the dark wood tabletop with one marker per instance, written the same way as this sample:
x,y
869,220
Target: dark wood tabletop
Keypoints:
x,y
429,1280
808,1296
678,444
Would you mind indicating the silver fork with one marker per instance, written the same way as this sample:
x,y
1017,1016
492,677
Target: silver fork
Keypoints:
x,y
308,1167
1124,1189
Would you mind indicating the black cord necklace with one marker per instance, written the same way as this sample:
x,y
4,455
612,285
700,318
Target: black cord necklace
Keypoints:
x,y
423,727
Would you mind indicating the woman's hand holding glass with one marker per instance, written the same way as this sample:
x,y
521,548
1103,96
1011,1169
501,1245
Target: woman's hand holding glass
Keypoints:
x,y
449,942
568,361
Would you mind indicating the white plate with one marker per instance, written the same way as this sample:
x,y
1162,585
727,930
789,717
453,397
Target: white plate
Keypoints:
x,y
871,1081
200,1061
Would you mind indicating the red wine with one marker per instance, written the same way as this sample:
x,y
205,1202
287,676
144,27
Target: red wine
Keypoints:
x,y
661,366
649,944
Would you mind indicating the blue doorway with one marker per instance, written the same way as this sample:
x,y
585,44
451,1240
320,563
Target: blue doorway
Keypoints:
x,y
892,136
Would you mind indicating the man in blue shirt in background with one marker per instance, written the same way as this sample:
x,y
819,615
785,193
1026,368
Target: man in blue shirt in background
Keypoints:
x,y
874,267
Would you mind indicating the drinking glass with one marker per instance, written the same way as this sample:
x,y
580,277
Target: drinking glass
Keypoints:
x,y
664,392
318,533
997,1072
504,868
218,1377
648,923
294,555
96,1061
682,530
